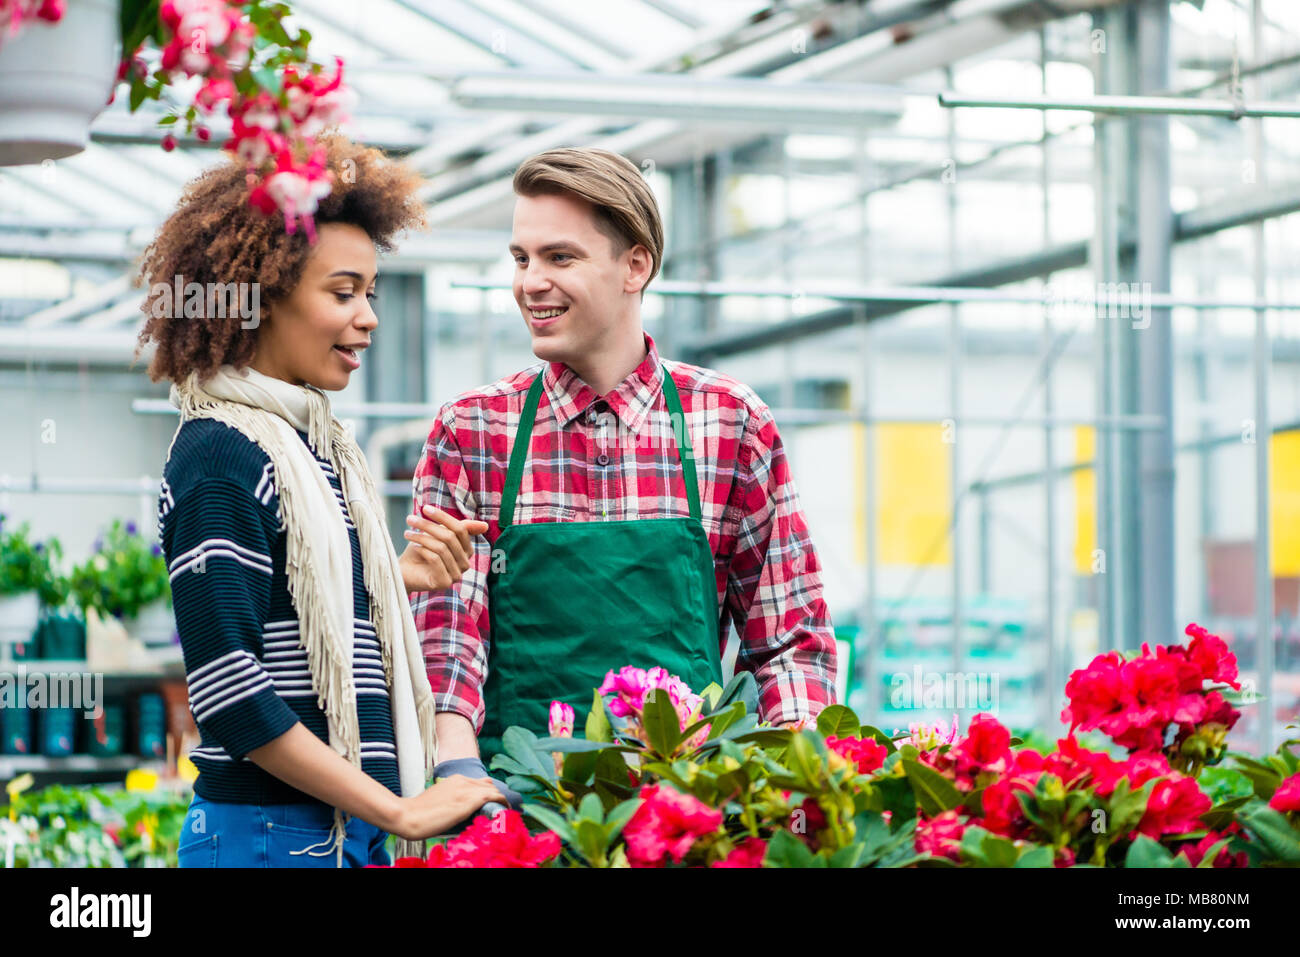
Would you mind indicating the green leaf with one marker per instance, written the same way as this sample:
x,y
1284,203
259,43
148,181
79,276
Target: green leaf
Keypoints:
x,y
591,840
839,721
1224,813
850,856
711,695
552,821
1037,856
868,731
591,808
1144,852
1213,852
662,726
934,792
1273,831
571,745
786,850
742,688
598,726
521,744
972,846
619,816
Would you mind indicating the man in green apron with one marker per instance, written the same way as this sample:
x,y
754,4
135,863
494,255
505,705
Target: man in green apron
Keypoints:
x,y
632,503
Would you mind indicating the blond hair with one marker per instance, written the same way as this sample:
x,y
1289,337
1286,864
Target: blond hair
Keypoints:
x,y
625,207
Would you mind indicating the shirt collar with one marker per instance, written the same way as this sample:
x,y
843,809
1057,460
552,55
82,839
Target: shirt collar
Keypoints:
x,y
631,401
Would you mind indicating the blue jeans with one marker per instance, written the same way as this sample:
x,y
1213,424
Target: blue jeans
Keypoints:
x,y
273,835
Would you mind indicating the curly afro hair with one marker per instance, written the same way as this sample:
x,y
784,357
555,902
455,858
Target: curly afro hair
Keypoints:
x,y
216,236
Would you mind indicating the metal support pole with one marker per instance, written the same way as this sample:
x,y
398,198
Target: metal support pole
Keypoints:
x,y
1263,358
1154,344
1051,631
954,404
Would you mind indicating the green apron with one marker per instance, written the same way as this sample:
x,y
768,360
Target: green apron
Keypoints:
x,y
575,600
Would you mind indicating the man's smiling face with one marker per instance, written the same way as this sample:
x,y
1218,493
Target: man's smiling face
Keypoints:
x,y
571,281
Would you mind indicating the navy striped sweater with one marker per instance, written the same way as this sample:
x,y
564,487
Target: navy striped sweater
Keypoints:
x,y
248,676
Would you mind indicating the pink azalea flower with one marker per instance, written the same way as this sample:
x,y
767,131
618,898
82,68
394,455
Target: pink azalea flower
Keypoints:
x,y
1287,796
667,825
748,853
561,720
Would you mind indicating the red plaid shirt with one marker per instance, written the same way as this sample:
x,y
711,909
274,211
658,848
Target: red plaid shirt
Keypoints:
x,y
615,460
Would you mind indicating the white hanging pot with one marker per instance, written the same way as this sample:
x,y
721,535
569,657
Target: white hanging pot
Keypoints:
x,y
154,625
54,80
19,615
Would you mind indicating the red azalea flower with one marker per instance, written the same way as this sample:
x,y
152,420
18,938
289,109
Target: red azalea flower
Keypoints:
x,y
667,824
986,747
1287,796
500,841
868,754
807,820
1196,853
1002,811
1175,807
1094,691
1064,857
1211,656
749,853
941,835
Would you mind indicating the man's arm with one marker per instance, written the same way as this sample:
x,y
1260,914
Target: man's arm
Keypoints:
x,y
453,623
774,588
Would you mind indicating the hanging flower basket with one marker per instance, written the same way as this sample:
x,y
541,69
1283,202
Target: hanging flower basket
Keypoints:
x,y
55,77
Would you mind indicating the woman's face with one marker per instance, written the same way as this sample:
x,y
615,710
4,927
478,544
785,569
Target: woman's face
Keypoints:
x,y
315,335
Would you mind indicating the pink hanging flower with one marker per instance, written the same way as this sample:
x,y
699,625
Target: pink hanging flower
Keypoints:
x,y
296,188
19,13
199,28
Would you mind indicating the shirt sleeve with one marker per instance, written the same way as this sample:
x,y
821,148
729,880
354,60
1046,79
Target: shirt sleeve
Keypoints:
x,y
453,624
774,587
218,556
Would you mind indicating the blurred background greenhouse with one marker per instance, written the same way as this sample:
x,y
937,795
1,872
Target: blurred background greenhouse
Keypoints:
x,y
1034,364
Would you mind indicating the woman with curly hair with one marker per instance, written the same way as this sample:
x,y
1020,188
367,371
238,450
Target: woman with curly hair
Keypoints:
x,y
305,672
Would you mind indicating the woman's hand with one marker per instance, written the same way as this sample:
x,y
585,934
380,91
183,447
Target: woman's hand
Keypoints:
x,y
442,806
439,550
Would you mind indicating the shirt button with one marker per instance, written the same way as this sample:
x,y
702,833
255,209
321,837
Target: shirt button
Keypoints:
x,y
602,459
601,406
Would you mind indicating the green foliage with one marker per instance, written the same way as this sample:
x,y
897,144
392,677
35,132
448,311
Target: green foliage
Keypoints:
x,y
27,566
60,826
125,574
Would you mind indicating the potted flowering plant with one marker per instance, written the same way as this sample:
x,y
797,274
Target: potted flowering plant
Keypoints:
x,y
126,578
28,580
214,56
668,777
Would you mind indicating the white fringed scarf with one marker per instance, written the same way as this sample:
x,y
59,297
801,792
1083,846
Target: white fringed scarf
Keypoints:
x,y
319,558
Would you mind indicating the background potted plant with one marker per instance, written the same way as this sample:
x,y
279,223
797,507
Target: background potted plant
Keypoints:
x,y
28,581
126,578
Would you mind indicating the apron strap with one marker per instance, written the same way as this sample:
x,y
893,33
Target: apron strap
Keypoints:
x,y
519,452
524,434
683,438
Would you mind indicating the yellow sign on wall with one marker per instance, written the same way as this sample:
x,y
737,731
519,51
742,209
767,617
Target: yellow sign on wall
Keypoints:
x,y
1284,503
1085,499
912,473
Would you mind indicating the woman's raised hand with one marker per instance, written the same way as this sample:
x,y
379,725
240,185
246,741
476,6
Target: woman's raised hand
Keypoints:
x,y
439,549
